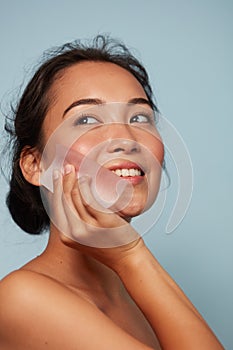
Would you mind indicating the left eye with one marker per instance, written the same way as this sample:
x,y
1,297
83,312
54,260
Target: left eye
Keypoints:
x,y
83,120
140,118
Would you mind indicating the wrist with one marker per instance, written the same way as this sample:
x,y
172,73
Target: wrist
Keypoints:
x,y
131,258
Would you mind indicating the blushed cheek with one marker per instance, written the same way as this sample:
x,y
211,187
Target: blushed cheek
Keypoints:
x,y
89,148
155,147
150,139
89,141
159,152
81,147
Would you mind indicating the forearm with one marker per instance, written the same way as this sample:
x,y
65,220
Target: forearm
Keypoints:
x,y
176,322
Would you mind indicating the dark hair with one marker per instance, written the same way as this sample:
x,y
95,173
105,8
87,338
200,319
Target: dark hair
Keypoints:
x,y
24,199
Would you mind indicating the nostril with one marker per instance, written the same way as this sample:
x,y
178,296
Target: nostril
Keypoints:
x,y
119,149
123,145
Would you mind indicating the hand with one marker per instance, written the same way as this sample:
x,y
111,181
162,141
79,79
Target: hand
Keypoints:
x,y
86,225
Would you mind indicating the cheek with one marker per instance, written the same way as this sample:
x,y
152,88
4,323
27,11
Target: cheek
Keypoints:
x,y
88,142
154,145
158,151
83,147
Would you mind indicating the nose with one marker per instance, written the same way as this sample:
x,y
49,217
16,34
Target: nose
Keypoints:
x,y
126,146
122,139
126,143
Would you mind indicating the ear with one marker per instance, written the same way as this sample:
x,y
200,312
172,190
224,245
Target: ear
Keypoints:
x,y
30,165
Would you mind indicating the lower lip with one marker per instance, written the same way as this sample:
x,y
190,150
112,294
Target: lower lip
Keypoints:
x,y
135,180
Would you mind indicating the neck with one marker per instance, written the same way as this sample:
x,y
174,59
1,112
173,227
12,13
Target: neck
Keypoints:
x,y
76,269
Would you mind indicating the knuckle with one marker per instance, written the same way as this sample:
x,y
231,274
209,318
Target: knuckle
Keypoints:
x,y
75,192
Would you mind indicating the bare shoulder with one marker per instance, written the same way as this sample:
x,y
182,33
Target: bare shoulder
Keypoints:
x,y
18,286
20,276
32,308
26,289
26,298
27,279
37,312
26,286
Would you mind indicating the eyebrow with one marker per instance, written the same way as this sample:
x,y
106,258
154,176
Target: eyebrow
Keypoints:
x,y
97,101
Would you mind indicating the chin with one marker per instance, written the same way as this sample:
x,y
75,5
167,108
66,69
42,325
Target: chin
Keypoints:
x,y
132,210
137,206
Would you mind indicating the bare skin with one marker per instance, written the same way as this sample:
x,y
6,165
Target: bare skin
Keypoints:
x,y
77,297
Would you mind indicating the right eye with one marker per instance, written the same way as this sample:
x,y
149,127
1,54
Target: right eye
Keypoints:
x,y
85,119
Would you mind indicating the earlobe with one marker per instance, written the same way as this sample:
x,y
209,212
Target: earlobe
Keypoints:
x,y
30,165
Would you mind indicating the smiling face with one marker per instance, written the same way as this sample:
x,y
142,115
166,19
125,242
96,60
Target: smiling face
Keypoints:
x,y
113,122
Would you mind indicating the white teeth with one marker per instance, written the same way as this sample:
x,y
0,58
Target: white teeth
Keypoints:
x,y
117,172
127,172
132,172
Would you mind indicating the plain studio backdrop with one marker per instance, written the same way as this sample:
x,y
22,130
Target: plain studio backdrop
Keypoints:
x,y
187,48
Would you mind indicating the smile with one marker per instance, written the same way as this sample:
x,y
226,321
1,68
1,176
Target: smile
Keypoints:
x,y
127,172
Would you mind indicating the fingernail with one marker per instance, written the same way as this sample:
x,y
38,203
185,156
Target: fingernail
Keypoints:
x,y
68,168
55,174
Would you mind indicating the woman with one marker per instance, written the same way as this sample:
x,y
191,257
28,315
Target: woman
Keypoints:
x,y
78,295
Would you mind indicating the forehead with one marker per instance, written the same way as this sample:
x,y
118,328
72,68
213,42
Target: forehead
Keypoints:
x,y
89,80
106,80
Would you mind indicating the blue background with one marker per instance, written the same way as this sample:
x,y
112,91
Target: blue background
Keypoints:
x,y
187,49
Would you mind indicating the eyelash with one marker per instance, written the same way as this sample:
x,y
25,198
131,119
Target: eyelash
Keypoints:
x,y
150,119
79,120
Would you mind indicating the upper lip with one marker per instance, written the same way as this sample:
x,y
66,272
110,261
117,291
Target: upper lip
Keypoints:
x,y
124,164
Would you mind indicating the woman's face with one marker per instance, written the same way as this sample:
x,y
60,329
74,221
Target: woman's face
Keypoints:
x,y
124,141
